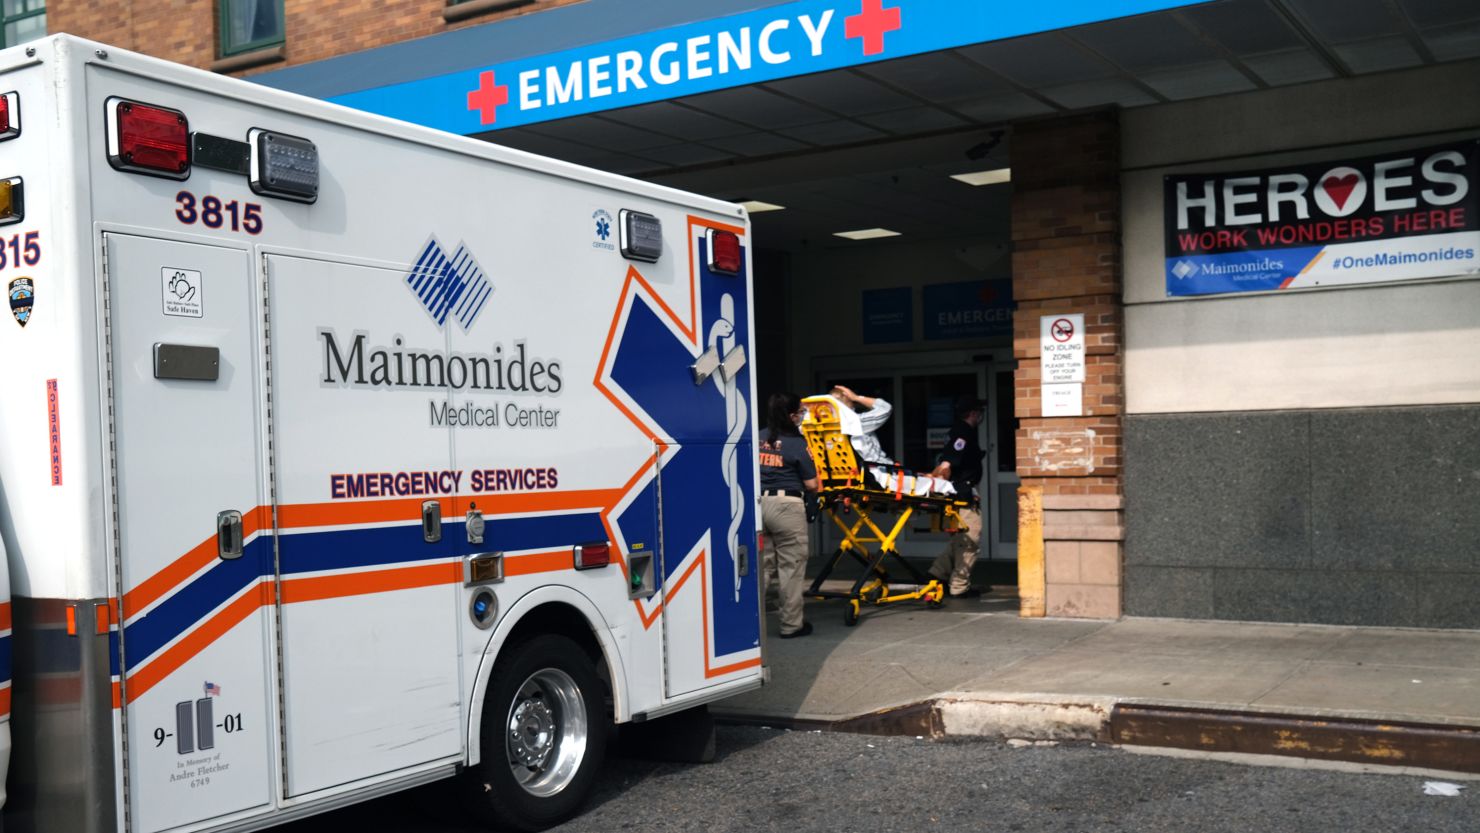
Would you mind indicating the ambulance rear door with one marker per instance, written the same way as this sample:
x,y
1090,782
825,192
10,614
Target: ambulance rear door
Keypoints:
x,y
707,483
195,541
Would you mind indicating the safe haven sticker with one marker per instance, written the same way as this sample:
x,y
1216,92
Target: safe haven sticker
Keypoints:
x,y
181,289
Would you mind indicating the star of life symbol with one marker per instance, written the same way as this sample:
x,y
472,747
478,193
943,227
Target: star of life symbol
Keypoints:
x,y
603,228
1183,269
722,342
449,285
707,517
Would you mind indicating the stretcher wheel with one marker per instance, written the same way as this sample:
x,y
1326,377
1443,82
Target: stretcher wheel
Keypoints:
x,y
937,599
874,591
850,613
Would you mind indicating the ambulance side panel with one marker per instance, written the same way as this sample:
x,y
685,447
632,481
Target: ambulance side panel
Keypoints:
x,y
55,492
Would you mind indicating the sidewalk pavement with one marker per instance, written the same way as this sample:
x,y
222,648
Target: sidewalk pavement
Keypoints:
x,y
1388,696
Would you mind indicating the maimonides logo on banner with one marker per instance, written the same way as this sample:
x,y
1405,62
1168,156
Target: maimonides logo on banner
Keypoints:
x,y
1401,216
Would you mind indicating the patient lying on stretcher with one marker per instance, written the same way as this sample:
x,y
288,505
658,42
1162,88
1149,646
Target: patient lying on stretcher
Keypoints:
x,y
859,417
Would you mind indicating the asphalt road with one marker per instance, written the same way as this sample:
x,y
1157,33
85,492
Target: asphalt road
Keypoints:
x,y
804,781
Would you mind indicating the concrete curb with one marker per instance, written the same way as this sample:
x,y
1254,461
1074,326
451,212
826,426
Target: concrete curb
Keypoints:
x,y
1326,738
1024,716
1052,717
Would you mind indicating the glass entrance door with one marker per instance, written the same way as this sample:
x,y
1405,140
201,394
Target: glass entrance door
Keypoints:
x,y
923,392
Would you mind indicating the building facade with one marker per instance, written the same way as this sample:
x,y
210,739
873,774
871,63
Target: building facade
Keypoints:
x,y
1225,307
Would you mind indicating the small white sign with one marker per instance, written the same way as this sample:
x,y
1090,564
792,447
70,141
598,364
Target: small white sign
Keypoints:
x,y
1062,348
1063,400
181,289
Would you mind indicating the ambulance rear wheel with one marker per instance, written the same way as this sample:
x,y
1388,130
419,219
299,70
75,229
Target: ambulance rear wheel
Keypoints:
x,y
543,737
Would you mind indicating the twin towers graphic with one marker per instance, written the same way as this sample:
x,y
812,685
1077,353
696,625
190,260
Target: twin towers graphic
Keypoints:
x,y
449,285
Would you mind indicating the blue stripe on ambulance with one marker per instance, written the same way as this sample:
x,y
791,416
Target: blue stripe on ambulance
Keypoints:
x,y
312,552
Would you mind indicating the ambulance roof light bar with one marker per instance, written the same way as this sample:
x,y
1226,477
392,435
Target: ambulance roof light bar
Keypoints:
x,y
640,235
283,166
10,115
147,139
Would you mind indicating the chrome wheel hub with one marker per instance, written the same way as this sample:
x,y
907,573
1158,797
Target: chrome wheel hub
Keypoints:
x,y
546,732
531,733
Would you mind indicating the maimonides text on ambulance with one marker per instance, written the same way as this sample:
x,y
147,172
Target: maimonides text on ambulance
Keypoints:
x,y
356,362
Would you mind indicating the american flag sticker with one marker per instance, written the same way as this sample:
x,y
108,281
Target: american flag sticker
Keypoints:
x,y
449,284
211,689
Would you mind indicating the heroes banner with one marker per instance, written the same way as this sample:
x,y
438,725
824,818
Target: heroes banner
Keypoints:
x,y
1400,216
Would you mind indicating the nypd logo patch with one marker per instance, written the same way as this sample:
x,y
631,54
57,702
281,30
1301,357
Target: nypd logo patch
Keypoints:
x,y
22,295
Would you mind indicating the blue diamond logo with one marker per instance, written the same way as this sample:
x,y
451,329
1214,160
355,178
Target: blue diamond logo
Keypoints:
x,y
449,284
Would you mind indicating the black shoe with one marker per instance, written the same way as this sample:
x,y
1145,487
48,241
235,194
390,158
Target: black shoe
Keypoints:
x,y
805,629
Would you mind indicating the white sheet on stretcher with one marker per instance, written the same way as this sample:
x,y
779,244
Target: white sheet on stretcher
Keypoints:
x,y
915,485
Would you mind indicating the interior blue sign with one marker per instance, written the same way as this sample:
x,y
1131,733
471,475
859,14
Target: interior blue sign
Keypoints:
x,y
970,309
888,315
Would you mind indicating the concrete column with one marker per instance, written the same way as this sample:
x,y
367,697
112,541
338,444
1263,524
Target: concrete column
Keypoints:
x,y
1066,259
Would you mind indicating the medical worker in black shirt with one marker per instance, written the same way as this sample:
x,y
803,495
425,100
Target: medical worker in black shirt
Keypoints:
x,y
961,463
788,487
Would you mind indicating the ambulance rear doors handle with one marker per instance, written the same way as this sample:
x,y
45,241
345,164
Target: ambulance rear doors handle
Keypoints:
x,y
431,521
229,535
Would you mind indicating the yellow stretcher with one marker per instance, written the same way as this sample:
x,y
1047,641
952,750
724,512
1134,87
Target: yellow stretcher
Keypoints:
x,y
861,507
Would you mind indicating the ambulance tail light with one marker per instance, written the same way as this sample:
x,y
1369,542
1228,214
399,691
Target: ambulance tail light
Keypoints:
x,y
591,556
146,139
10,115
724,251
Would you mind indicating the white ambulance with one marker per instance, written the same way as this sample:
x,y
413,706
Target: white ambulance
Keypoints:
x,y
339,455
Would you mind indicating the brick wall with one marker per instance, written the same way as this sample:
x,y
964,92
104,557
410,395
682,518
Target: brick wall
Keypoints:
x,y
1066,259
186,32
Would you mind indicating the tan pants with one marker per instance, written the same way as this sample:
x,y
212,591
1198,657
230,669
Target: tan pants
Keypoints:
x,y
954,565
784,521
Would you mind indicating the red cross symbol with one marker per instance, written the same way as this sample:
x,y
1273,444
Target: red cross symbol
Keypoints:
x,y
487,98
871,22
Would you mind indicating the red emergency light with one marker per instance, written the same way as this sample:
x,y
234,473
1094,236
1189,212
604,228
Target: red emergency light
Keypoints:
x,y
10,115
146,139
590,556
724,251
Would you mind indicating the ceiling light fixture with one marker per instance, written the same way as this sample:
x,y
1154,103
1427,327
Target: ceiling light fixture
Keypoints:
x,y
758,206
993,177
866,233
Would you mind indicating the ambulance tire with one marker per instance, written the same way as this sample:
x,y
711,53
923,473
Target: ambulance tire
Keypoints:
x,y
539,773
